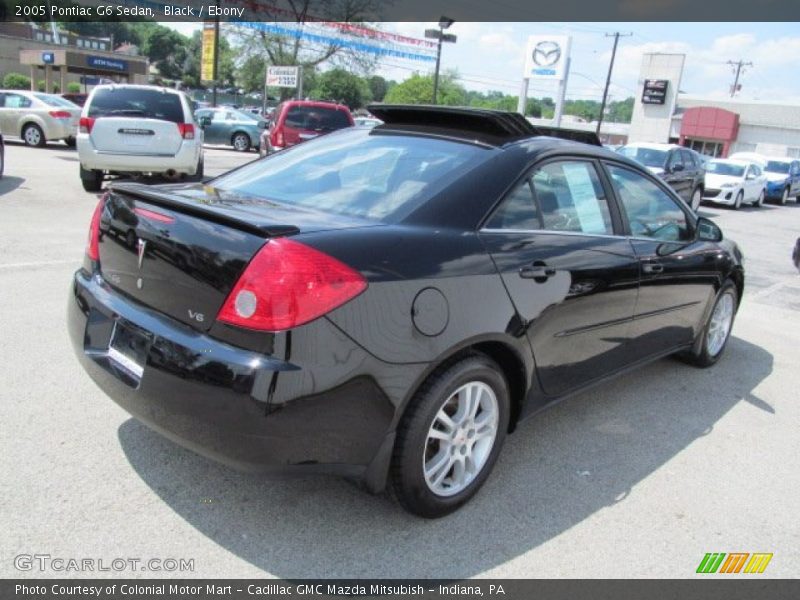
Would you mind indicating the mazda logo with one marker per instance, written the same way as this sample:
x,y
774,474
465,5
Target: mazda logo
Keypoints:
x,y
546,54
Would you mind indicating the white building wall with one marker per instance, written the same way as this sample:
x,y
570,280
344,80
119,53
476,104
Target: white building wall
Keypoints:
x,y
652,122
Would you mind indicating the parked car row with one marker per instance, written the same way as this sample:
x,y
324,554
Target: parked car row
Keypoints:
x,y
743,178
37,118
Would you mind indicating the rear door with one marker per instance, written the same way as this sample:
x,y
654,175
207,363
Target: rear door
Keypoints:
x,y
14,107
572,279
678,273
676,175
136,121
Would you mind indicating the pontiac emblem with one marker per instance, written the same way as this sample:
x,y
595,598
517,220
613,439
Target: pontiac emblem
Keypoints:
x,y
141,246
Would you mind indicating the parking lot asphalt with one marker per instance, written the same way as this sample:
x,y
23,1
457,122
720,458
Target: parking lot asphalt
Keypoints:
x,y
639,477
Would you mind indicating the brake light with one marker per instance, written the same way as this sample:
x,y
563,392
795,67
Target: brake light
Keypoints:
x,y
288,284
85,125
153,215
186,130
60,114
93,244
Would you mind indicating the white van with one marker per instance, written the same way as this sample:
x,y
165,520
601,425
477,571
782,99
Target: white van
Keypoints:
x,y
138,129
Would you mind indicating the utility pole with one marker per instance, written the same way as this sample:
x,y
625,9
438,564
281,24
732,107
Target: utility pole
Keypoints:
x,y
616,35
216,59
737,69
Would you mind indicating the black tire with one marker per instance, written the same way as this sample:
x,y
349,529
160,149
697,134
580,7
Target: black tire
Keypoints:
x,y
242,147
760,200
699,355
737,204
784,197
406,474
70,141
33,140
92,180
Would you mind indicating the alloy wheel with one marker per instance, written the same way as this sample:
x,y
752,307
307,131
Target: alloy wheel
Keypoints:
x,y
460,438
720,324
33,136
760,201
697,196
241,142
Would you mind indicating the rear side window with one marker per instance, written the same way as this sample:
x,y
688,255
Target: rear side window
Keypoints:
x,y
560,196
688,159
135,102
315,118
376,177
16,101
51,100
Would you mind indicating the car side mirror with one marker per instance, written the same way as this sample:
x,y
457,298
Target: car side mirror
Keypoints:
x,y
205,122
677,168
708,231
751,176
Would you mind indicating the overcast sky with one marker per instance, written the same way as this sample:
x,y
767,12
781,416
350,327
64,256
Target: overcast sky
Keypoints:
x,y
490,56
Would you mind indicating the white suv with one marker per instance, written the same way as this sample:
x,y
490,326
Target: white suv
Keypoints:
x,y
138,129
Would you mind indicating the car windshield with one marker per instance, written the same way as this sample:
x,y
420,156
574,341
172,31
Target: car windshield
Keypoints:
x,y
723,168
316,118
777,166
51,100
136,102
649,157
376,177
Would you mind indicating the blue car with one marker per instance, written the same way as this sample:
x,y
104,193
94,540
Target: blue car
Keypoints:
x,y
783,179
230,127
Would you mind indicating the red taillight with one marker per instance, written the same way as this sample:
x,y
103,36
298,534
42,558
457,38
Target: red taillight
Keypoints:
x,y
153,215
93,245
60,114
85,124
186,130
288,284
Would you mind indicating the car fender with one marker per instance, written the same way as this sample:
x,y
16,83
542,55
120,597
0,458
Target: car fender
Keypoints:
x,y
35,119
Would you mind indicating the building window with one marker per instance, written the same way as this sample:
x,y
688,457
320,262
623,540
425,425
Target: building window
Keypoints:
x,y
793,152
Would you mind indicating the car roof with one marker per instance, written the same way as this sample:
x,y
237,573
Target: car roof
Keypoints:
x,y
316,104
735,161
125,86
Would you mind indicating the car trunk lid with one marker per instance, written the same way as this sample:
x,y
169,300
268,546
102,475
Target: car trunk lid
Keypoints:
x,y
180,249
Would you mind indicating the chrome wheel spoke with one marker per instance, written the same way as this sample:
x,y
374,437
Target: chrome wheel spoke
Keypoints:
x,y
720,325
460,438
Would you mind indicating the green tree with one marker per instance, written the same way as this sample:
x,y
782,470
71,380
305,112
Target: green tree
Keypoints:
x,y
16,81
378,87
73,87
418,89
226,75
250,75
621,111
166,49
343,86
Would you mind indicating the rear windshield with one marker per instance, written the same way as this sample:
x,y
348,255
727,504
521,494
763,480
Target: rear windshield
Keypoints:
x,y
649,157
777,166
378,177
314,118
135,102
721,168
51,100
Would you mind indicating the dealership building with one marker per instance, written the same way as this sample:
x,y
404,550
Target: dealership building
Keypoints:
x,y
711,126
62,58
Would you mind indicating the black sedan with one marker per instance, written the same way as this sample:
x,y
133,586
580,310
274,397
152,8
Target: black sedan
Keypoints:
x,y
388,303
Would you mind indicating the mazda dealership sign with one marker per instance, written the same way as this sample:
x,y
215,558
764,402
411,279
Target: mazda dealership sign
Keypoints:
x,y
546,57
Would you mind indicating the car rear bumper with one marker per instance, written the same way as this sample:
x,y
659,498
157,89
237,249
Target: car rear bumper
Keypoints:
x,y
183,162
252,411
59,129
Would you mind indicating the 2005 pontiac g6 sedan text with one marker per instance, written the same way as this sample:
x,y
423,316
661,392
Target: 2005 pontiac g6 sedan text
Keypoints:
x,y
387,304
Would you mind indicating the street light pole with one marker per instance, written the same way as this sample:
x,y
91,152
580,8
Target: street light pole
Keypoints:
x,y
616,35
441,36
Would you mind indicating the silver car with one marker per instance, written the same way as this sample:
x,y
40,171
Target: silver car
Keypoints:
x,y
38,118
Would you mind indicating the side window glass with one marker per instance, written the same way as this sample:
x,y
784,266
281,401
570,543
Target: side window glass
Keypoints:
x,y
674,160
217,116
517,211
571,198
16,101
652,213
688,160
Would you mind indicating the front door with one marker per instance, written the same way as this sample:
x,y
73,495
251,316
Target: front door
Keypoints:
x,y
572,280
678,273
